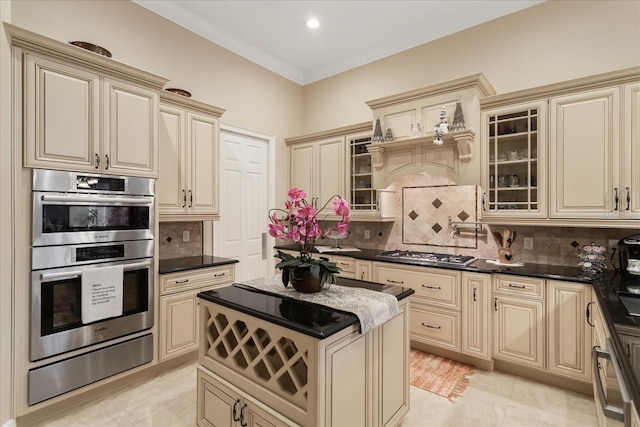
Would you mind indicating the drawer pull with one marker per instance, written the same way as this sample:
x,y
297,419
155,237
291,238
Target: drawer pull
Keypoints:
x,y
181,281
431,287
394,281
343,263
517,286
219,274
431,327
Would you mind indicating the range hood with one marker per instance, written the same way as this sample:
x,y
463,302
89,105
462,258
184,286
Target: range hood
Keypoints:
x,y
456,158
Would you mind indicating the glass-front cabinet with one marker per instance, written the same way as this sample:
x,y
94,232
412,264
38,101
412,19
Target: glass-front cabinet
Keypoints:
x,y
513,177
363,196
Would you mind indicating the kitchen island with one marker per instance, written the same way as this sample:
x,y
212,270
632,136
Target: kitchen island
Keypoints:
x,y
267,359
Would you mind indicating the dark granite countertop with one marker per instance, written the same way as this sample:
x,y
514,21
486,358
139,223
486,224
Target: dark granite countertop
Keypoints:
x,y
174,265
310,319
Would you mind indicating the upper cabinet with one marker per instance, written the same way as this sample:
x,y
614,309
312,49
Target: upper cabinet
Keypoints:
x,y
187,186
337,162
83,111
584,154
411,118
564,154
513,162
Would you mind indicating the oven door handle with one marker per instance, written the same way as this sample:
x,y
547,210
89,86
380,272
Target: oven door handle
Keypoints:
x,y
94,199
610,411
76,273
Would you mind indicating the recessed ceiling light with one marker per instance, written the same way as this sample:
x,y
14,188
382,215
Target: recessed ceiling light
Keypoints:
x,y
313,23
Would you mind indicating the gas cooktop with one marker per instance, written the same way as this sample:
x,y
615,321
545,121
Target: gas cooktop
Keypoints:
x,y
429,257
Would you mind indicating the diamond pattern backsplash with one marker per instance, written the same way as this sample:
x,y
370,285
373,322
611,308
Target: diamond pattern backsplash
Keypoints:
x,y
426,212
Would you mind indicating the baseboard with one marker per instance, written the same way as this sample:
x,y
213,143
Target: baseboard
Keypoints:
x,y
10,423
541,376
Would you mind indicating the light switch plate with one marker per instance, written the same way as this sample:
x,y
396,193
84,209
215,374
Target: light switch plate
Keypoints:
x,y
367,235
186,236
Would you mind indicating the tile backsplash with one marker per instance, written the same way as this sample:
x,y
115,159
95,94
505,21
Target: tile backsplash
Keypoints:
x,y
170,242
551,245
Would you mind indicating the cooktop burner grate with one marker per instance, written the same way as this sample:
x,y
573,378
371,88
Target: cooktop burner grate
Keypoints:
x,y
429,257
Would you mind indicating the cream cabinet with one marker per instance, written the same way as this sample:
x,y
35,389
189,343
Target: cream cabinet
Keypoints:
x,y
630,189
569,334
364,270
476,320
514,161
178,331
631,344
519,320
187,186
435,305
347,266
83,116
584,155
319,168
584,171
220,404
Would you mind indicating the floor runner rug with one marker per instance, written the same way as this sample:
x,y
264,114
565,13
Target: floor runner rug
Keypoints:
x,y
443,377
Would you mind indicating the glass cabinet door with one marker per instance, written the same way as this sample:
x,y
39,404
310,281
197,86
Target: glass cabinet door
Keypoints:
x,y
363,196
514,146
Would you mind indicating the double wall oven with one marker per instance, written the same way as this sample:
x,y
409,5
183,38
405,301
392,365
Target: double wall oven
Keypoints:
x,y
84,224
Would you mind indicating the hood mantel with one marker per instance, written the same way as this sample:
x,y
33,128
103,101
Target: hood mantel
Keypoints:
x,y
407,155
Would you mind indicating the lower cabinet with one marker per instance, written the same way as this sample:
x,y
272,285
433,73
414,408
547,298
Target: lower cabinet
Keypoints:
x,y
220,404
518,320
476,322
435,306
178,329
347,266
569,333
364,270
632,347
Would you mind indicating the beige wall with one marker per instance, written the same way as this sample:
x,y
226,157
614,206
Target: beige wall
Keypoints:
x,y
548,43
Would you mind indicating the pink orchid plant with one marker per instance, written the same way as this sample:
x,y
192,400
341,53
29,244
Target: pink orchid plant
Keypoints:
x,y
299,223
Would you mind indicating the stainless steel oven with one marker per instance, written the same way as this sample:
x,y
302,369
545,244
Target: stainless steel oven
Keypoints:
x,y
86,227
56,318
70,208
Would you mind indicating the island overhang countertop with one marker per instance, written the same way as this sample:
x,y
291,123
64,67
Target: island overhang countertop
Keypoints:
x,y
301,316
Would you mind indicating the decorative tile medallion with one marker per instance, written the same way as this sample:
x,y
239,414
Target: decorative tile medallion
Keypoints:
x,y
427,211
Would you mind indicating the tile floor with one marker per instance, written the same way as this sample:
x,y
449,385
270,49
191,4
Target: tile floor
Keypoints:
x,y
492,399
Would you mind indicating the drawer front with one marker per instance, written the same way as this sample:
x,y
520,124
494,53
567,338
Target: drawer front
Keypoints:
x,y
517,285
436,327
348,266
195,279
440,287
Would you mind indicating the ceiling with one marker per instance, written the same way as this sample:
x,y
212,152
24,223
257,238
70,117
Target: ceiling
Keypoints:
x,y
351,33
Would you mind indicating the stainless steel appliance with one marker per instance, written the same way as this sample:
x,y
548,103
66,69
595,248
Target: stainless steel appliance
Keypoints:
x,y
70,208
629,253
612,398
428,258
82,223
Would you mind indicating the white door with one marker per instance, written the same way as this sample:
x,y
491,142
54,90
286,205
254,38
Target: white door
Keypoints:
x,y
241,232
